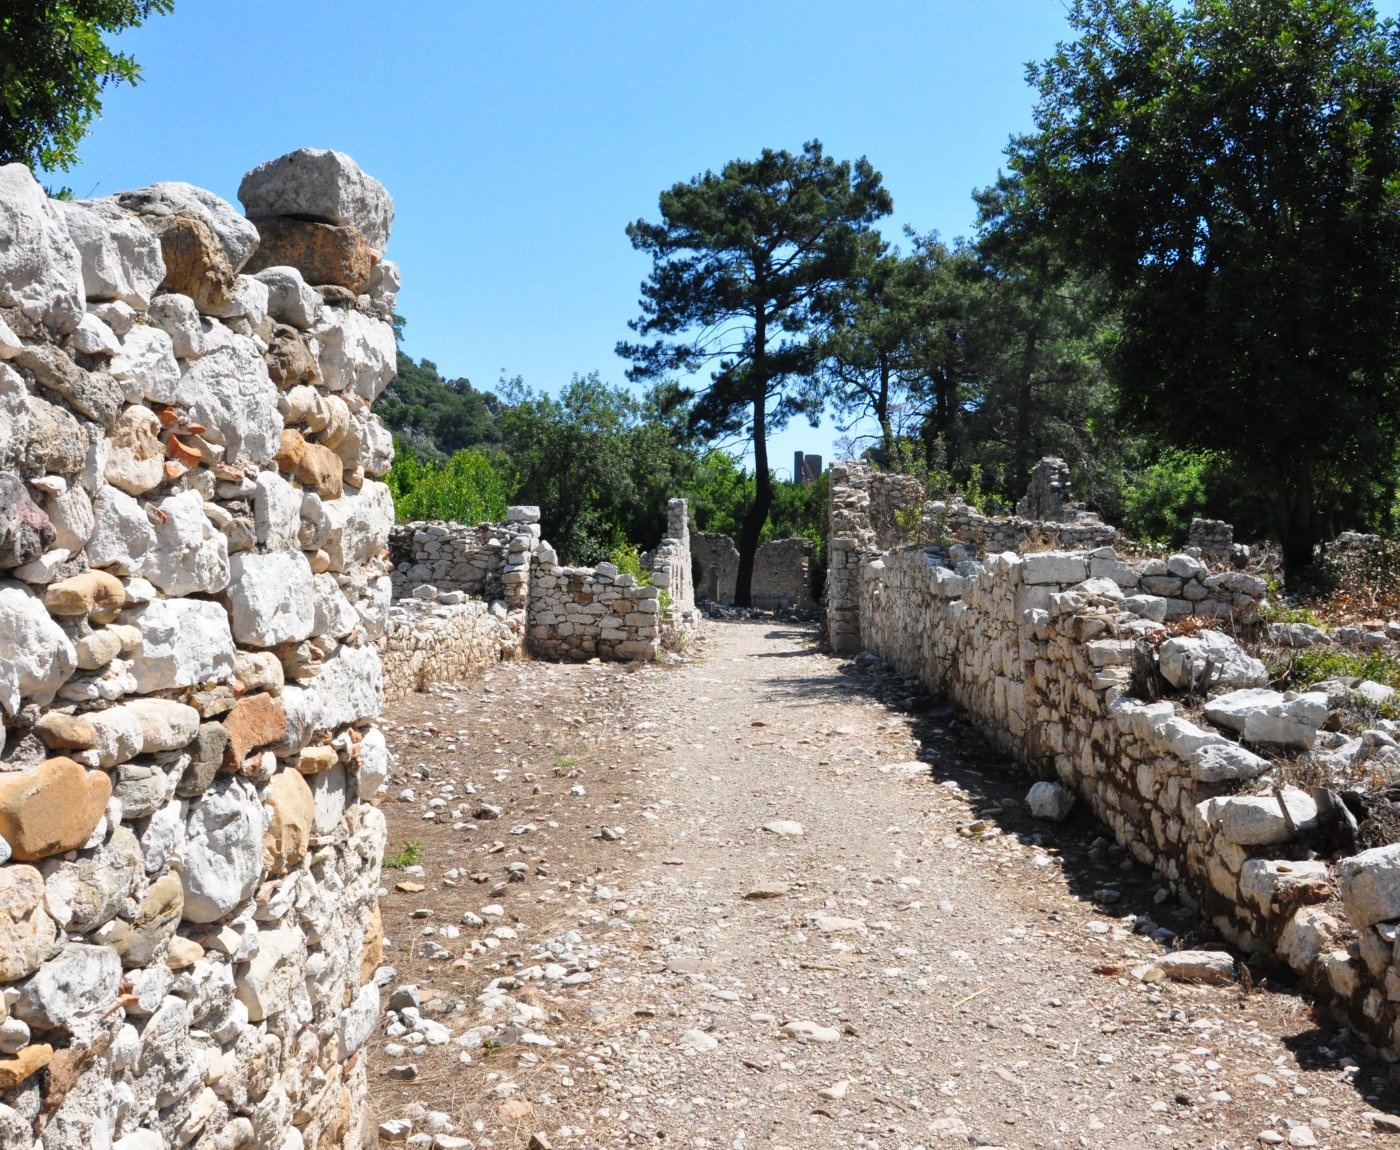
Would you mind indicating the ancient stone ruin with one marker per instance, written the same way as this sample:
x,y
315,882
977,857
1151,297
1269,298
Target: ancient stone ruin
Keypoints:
x,y
192,586
466,596
1062,659
782,572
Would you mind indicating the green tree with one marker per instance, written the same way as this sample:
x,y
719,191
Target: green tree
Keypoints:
x,y
437,416
468,487
1232,167
54,64
745,270
600,463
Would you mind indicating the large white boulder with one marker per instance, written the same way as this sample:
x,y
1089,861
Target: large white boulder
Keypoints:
x,y
78,984
184,643
222,860
1259,820
122,536
147,362
290,299
1183,662
335,614
359,525
228,390
348,688
271,597
236,235
1369,884
1048,567
14,416
1263,716
41,272
36,657
121,257
354,352
320,184
276,512
190,555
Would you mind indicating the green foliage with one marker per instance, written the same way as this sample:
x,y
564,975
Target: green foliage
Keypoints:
x,y
1231,171
1161,499
410,855
467,487
437,416
1303,668
599,462
54,64
746,267
627,558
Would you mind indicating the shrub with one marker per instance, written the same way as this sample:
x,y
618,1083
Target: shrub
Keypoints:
x,y
468,487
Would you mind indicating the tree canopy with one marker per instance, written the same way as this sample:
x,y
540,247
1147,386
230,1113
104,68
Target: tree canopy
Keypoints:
x,y
746,266
54,64
1232,169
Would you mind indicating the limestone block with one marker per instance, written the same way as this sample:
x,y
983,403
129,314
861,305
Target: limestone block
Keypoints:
x,y
1263,716
349,687
276,512
319,184
165,724
36,657
1053,567
122,535
259,671
1369,885
291,813
359,525
78,984
41,270
1183,662
1270,883
94,337
1258,820
223,850
355,353
236,236
266,986
136,463
184,643
96,594
84,894
51,808
147,361
229,391
271,598
358,1020
255,721
120,258
372,764
27,932
1296,635
335,615
290,300
118,735
1310,933
329,799
323,253
1224,762
14,415
191,555
1048,800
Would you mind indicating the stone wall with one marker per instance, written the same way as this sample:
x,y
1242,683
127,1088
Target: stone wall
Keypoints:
x,y
781,572
450,557
1064,662
192,583
447,640
669,563
577,613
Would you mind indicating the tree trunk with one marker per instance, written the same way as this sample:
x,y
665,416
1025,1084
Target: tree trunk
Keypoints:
x,y
1021,450
882,412
757,514
1298,521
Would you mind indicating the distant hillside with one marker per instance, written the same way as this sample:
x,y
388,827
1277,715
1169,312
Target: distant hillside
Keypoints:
x,y
437,416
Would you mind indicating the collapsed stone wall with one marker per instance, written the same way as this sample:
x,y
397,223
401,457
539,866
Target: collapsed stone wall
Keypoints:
x,y
192,583
1056,655
781,572
449,556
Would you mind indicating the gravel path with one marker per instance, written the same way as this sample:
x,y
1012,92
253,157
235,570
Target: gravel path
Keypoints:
x,y
794,937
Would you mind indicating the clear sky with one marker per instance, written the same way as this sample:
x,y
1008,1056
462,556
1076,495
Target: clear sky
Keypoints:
x,y
518,139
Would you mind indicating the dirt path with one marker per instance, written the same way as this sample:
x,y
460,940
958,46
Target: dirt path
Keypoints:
x,y
927,966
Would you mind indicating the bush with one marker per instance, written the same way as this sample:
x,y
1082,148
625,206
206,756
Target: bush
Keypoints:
x,y
468,487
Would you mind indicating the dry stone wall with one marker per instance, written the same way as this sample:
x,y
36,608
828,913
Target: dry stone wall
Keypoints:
x,y
1063,660
781,579
192,585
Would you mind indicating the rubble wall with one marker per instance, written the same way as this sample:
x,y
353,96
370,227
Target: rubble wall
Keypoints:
x,y
781,580
1063,661
192,585
450,557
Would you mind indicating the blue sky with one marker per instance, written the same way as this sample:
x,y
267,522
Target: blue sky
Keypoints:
x,y
518,140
